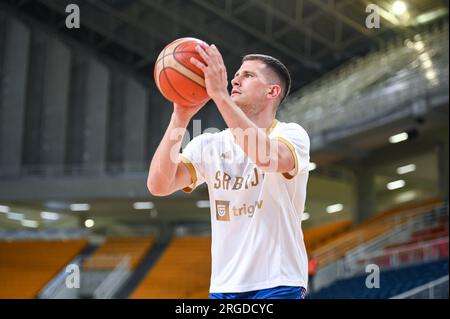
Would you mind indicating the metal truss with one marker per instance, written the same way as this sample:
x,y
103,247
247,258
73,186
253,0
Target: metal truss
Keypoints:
x,y
307,35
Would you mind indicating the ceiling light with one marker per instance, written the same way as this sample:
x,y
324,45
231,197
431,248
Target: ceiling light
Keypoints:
x,y
49,215
406,169
431,15
14,216
398,138
312,166
143,205
203,204
79,207
405,196
4,209
431,75
419,46
396,184
334,208
409,44
29,223
427,64
305,216
89,223
398,8
424,57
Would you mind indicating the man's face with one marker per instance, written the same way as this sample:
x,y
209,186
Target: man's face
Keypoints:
x,y
250,85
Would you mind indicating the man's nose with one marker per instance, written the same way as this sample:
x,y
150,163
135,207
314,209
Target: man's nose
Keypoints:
x,y
235,82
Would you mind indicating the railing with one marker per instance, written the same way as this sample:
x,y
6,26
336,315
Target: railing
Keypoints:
x,y
110,285
57,288
405,74
437,289
402,231
385,227
343,74
103,275
66,170
401,256
46,234
332,264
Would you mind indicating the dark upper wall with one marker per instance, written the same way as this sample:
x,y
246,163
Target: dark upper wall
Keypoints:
x,y
65,112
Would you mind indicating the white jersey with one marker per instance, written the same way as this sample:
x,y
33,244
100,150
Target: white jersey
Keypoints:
x,y
257,240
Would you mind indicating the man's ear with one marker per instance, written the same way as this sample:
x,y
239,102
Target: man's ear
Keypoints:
x,y
274,91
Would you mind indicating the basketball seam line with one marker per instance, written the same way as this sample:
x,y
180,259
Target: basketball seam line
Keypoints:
x,y
173,88
168,79
183,69
186,77
175,57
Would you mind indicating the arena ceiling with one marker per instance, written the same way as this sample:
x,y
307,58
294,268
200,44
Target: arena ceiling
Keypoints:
x,y
310,36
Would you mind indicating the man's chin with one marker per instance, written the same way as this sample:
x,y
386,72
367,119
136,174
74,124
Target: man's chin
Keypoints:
x,y
235,99
241,105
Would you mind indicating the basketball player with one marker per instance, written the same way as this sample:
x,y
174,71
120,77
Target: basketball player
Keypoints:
x,y
256,172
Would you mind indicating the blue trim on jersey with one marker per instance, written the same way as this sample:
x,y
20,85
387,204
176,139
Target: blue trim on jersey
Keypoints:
x,y
280,292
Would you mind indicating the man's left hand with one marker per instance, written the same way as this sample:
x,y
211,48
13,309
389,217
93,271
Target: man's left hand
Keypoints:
x,y
214,70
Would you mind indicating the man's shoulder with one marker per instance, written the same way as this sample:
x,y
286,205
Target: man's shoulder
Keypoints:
x,y
283,126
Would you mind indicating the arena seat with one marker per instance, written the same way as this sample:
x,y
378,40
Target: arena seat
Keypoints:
x,y
425,234
319,235
114,249
183,271
392,282
47,257
384,222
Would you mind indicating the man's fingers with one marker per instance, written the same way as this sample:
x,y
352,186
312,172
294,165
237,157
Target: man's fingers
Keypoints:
x,y
214,48
198,64
204,46
202,52
216,54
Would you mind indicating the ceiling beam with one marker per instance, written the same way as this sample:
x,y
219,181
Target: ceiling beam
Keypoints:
x,y
243,7
261,35
97,27
331,9
294,24
306,22
65,37
186,23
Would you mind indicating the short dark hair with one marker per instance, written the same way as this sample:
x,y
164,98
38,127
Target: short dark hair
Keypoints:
x,y
275,65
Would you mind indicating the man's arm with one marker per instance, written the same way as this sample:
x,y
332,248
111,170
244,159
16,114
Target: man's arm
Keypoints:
x,y
269,155
167,174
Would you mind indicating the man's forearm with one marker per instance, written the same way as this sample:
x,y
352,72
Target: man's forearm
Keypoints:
x,y
164,164
253,140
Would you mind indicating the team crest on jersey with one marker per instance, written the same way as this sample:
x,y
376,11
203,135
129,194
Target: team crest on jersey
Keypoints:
x,y
222,210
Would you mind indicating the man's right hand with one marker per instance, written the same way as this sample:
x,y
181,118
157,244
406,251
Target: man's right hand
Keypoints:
x,y
167,175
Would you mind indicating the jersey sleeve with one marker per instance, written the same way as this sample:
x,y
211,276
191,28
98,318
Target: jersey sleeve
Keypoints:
x,y
192,158
296,138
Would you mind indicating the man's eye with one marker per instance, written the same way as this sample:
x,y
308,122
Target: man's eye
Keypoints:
x,y
249,75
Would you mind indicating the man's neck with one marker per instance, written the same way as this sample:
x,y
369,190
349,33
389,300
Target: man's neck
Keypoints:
x,y
262,120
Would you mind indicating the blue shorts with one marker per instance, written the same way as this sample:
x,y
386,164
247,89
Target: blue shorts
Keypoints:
x,y
280,292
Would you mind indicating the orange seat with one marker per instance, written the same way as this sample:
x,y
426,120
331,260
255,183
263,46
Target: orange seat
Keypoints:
x,y
183,271
26,266
382,223
114,249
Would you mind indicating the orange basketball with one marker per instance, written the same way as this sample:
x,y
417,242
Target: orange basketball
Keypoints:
x,y
176,77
